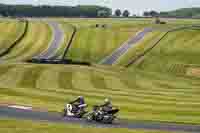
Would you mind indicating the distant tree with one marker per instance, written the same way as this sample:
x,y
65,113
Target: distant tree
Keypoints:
x,y
126,13
118,12
153,13
134,15
164,14
4,14
103,13
59,11
146,14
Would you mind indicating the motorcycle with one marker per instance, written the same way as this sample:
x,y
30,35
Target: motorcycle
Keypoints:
x,y
99,115
72,110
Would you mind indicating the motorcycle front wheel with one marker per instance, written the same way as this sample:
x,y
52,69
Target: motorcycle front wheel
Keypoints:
x,y
64,113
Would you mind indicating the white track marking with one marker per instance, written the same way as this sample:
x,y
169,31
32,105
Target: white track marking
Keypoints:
x,y
20,107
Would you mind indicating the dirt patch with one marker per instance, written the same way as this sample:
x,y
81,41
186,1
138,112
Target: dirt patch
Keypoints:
x,y
193,72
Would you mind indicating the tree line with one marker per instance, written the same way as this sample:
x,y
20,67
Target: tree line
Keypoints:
x,y
119,13
87,11
179,13
54,11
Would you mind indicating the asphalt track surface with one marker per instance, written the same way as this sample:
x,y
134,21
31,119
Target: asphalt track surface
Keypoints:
x,y
125,47
58,35
24,114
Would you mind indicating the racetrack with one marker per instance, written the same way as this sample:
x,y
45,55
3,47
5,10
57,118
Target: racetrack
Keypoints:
x,y
125,47
58,35
28,114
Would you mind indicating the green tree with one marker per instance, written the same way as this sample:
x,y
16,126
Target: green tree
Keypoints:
x,y
118,13
126,13
104,13
154,14
59,11
146,14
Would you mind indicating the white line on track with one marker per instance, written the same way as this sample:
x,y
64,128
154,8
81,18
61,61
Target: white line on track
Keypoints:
x,y
20,107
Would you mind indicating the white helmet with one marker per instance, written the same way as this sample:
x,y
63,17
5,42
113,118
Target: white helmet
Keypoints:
x,y
107,101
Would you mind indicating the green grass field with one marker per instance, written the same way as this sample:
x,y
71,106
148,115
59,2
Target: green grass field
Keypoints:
x,y
35,41
16,126
11,30
155,88
142,96
140,47
176,51
92,44
158,32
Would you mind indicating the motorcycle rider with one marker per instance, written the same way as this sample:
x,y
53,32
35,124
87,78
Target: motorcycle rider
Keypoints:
x,y
78,102
107,107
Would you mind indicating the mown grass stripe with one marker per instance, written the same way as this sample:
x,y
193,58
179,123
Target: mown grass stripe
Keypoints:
x,y
141,94
23,45
123,103
14,33
12,77
87,56
65,80
82,80
171,49
30,77
127,99
98,81
25,49
48,79
103,44
106,40
5,68
115,83
28,93
38,44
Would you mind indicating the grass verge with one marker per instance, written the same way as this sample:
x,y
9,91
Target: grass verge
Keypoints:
x,y
22,126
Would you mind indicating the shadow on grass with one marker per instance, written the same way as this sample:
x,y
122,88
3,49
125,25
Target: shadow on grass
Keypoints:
x,y
65,61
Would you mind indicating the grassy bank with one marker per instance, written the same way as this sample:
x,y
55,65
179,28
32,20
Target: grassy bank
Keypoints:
x,y
35,41
20,126
140,95
93,43
177,49
11,30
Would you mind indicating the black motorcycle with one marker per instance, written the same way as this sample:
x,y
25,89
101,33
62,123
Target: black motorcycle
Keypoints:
x,y
101,116
73,110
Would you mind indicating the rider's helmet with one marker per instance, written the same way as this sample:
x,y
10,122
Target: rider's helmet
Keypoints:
x,y
80,97
107,101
